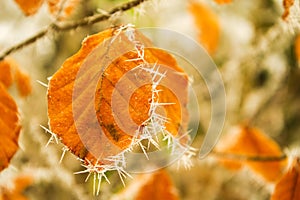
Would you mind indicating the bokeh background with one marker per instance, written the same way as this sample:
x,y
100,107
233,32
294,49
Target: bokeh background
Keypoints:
x,y
257,58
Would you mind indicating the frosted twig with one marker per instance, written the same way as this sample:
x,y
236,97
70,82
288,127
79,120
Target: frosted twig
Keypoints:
x,y
240,157
71,25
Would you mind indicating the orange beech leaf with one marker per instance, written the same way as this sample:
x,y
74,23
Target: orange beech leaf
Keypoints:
x,y
62,8
223,1
6,77
10,72
250,142
288,187
287,4
208,25
29,7
96,123
9,127
23,83
157,185
297,48
16,193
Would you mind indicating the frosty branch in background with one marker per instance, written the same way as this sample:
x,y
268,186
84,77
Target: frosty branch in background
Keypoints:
x,y
240,157
69,25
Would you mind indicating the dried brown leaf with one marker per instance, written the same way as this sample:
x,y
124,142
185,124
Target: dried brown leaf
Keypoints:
x,y
10,73
6,75
16,193
62,8
60,97
61,102
223,1
159,187
23,83
208,25
9,127
246,142
288,187
29,7
156,185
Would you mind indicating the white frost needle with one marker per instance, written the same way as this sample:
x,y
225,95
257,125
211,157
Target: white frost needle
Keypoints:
x,y
130,32
186,159
43,84
140,56
53,136
99,183
143,148
162,104
120,175
94,184
99,171
119,159
101,11
87,177
190,80
119,31
154,72
168,138
64,149
139,11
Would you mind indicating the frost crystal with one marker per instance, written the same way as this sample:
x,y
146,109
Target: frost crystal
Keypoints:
x,y
52,138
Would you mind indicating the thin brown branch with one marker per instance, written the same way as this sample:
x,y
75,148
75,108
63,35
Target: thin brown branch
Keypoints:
x,y
65,26
240,157
27,42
